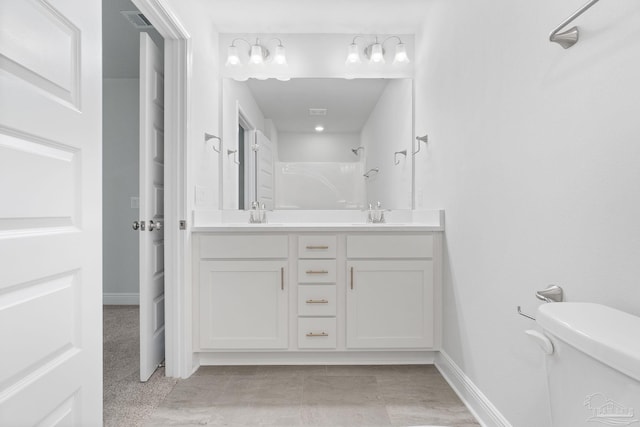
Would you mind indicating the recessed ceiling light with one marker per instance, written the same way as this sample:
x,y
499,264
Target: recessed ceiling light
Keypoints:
x,y
319,128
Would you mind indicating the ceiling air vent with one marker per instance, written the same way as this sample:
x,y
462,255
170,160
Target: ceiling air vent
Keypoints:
x,y
317,111
137,19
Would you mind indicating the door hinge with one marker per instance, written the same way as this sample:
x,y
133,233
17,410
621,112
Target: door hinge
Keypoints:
x,y
183,224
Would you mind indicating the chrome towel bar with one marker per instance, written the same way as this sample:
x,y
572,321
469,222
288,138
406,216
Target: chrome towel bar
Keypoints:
x,y
568,38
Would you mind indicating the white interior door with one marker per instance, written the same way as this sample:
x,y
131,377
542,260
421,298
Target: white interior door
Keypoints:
x,y
50,213
151,207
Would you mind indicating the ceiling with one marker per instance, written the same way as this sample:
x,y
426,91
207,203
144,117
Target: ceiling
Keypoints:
x,y
348,102
120,38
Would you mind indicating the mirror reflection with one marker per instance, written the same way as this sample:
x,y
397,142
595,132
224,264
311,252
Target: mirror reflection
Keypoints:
x,y
318,143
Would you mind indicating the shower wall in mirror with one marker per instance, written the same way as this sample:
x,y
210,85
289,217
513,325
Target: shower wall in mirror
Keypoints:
x,y
317,143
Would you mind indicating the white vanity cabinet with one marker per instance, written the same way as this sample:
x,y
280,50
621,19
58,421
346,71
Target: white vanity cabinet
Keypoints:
x,y
317,275
243,292
390,292
298,296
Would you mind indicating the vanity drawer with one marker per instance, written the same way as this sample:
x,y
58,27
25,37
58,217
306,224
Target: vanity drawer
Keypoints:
x,y
317,300
317,246
244,246
390,246
316,271
317,332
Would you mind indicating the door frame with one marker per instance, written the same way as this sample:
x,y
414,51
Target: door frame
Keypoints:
x,y
244,121
179,360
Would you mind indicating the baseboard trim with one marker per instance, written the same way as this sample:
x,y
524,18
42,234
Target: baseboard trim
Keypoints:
x,y
479,405
116,298
316,358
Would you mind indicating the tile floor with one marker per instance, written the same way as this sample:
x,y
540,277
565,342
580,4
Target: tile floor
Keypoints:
x,y
313,396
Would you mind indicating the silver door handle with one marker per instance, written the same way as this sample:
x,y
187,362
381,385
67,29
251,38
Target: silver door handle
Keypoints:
x,y
154,225
135,225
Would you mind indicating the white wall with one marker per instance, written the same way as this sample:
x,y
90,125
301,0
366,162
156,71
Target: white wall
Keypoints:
x,y
204,109
120,165
318,147
390,129
534,155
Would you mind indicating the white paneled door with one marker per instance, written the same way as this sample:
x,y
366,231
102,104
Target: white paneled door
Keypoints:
x,y
151,207
50,213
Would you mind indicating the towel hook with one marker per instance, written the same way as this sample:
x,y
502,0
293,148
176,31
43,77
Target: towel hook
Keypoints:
x,y
395,156
208,136
420,139
235,156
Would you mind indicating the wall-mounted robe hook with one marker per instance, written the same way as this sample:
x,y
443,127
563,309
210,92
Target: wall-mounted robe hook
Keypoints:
x,y
395,156
235,156
208,136
420,139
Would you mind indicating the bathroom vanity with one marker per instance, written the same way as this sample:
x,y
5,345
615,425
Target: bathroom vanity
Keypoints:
x,y
317,284
317,293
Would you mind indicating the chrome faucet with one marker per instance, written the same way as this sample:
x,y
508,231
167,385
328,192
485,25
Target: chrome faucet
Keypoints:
x,y
257,214
376,216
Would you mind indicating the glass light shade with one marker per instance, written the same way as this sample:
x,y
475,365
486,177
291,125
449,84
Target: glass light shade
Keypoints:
x,y
401,54
256,57
353,57
280,56
233,58
377,56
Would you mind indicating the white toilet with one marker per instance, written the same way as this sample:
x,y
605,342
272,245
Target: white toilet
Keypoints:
x,y
592,363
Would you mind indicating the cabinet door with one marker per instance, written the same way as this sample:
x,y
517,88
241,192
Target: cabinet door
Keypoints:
x,y
243,305
390,304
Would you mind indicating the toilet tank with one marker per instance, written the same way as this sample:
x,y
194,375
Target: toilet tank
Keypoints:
x,y
593,373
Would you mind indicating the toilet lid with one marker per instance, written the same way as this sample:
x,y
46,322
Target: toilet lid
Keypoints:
x,y
604,333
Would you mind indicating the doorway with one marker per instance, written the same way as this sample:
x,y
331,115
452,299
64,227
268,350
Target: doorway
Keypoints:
x,y
122,25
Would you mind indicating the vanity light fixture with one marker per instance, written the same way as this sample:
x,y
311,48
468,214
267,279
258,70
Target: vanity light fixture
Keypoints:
x,y
258,54
375,52
319,128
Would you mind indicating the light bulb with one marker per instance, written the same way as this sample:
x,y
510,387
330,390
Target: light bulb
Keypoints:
x,y
256,57
280,56
377,55
401,54
353,57
233,58
319,128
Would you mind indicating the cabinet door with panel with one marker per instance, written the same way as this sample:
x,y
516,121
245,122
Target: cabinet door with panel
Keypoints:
x,y
390,304
243,304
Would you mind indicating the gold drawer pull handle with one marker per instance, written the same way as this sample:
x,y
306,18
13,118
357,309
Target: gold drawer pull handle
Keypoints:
x,y
321,334
312,247
317,301
317,272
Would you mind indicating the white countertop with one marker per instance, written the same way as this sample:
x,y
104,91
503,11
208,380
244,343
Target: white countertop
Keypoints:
x,y
397,221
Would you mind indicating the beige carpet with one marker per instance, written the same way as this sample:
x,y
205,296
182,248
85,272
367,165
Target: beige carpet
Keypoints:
x,y
127,401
